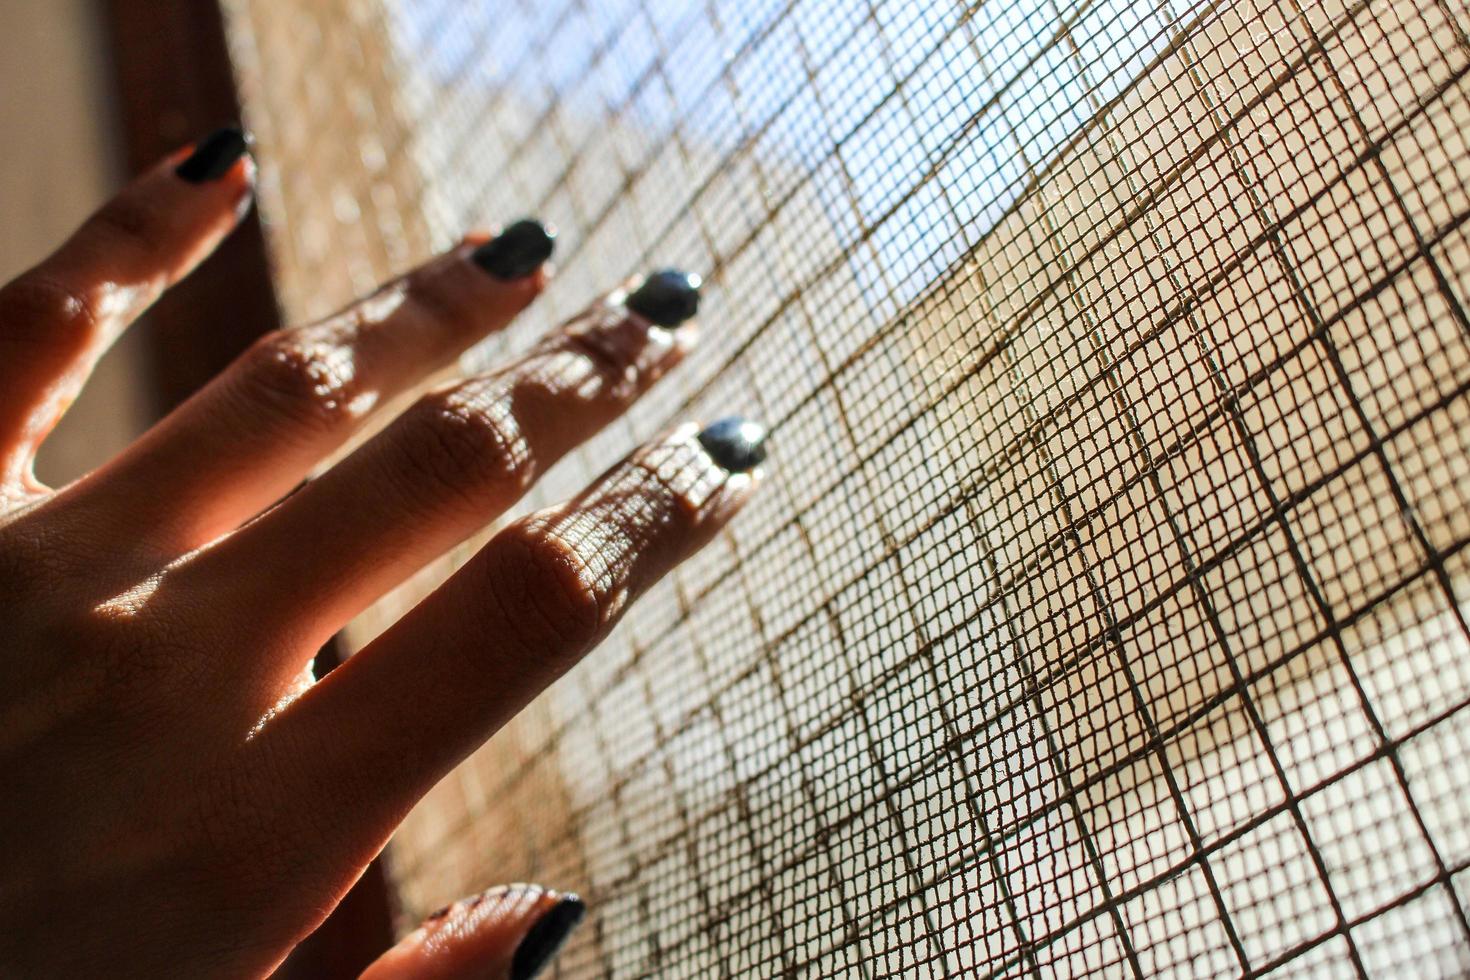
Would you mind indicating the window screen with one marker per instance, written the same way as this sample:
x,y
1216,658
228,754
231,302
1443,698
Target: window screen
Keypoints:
x,y
1105,611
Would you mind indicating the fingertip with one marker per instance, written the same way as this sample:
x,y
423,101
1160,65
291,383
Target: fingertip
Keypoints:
x,y
686,336
667,297
510,931
546,936
515,259
704,464
207,187
223,154
739,488
737,444
730,452
520,251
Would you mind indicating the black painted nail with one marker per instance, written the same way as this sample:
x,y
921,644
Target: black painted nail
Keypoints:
x,y
736,444
667,297
546,937
517,251
214,155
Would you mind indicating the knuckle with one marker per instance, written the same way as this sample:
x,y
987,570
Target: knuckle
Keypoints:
x,y
470,445
310,382
36,308
552,596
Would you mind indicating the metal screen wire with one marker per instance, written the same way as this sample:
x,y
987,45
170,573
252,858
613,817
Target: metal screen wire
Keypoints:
x,y
1104,612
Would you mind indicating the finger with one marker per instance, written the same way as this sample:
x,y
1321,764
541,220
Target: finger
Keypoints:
x,y
58,318
444,469
544,591
254,432
512,931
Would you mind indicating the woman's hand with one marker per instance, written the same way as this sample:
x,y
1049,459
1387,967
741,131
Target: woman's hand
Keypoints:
x,y
179,798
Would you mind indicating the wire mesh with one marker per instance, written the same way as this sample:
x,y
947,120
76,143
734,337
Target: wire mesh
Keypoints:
x,y
1101,615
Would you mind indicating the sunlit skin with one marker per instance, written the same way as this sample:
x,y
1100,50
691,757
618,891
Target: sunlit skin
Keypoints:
x,y
181,799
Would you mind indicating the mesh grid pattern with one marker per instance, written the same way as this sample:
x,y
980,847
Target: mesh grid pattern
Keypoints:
x,y
1101,614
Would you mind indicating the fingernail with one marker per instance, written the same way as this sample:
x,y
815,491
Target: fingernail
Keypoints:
x,y
546,937
667,297
517,251
214,155
737,444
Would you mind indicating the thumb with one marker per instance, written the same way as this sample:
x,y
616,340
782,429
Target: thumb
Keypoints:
x,y
511,931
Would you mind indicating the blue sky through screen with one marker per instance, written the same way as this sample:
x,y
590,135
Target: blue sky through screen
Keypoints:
x,y
928,172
